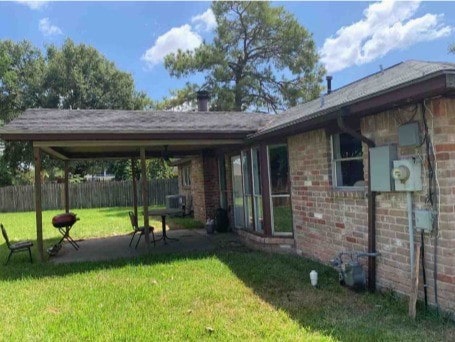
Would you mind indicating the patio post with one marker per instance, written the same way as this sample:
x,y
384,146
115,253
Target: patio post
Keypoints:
x,y
133,172
145,197
38,207
67,189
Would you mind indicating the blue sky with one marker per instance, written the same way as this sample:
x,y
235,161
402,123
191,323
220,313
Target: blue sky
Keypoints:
x,y
353,38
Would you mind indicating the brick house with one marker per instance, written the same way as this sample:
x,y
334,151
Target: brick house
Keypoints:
x,y
314,180
300,183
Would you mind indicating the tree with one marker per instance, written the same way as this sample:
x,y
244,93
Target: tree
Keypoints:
x,y
21,73
180,100
73,76
78,76
261,58
156,169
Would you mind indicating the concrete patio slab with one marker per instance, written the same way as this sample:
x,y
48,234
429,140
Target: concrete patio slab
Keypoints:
x,y
116,247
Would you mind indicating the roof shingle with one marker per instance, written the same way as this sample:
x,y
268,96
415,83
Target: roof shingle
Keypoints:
x,y
42,121
128,121
396,76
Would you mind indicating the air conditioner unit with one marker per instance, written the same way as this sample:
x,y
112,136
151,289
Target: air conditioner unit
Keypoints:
x,y
175,202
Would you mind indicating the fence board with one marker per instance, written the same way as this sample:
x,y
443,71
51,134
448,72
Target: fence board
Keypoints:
x,y
85,195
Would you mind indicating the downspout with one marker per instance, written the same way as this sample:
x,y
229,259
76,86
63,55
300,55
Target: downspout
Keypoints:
x,y
371,201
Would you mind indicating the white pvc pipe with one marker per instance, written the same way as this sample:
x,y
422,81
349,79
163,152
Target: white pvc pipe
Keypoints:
x,y
410,228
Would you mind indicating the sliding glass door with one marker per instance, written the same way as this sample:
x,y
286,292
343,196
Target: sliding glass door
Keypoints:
x,y
247,190
237,192
247,194
257,190
280,196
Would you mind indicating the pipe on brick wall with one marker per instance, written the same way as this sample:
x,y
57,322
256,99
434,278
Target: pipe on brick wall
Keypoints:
x,y
371,200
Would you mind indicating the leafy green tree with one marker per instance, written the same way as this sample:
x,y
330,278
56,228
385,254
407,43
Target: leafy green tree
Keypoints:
x,y
5,174
78,76
261,58
121,170
72,76
184,99
156,169
21,73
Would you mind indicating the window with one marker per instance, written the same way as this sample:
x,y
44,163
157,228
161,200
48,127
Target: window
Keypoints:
x,y
186,175
347,161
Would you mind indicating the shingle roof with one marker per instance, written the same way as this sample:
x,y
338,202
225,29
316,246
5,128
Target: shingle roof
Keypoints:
x,y
128,121
42,121
399,75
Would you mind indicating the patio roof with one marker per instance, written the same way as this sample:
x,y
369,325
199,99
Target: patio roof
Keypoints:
x,y
80,134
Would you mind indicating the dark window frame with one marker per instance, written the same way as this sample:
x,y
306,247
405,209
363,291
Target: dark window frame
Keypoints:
x,y
347,162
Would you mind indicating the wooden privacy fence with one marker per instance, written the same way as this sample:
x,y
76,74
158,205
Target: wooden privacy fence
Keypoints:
x,y
85,195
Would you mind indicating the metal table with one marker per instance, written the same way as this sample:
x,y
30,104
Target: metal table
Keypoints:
x,y
163,213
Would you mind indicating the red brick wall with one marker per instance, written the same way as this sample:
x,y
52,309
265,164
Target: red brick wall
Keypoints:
x,y
204,188
197,188
211,184
327,220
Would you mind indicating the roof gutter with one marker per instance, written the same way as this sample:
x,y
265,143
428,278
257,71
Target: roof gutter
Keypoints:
x,y
371,199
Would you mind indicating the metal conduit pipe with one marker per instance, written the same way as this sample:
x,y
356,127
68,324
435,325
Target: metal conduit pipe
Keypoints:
x,y
410,229
371,202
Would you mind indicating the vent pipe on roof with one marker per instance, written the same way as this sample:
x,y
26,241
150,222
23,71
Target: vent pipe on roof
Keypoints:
x,y
329,84
203,97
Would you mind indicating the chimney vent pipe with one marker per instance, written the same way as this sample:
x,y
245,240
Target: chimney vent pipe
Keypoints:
x,y
329,84
203,97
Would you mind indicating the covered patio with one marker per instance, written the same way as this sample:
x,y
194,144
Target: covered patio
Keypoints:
x,y
113,247
71,135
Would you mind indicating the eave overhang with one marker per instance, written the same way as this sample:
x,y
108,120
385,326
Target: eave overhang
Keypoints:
x,y
439,84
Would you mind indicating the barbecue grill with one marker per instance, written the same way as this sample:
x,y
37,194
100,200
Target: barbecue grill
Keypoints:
x,y
64,223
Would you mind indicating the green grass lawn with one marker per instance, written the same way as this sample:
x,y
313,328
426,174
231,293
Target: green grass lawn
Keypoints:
x,y
232,294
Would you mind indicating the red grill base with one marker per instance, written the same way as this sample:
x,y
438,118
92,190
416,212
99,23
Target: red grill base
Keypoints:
x,y
64,220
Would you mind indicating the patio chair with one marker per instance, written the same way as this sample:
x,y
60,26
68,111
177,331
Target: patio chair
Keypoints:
x,y
20,246
140,230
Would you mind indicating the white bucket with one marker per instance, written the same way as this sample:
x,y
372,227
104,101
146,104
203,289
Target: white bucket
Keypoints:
x,y
314,278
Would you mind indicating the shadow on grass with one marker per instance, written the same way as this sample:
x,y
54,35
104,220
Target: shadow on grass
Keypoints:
x,y
333,310
283,282
20,267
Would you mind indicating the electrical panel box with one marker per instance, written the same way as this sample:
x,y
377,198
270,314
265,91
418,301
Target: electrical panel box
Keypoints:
x,y
424,220
381,162
407,174
409,134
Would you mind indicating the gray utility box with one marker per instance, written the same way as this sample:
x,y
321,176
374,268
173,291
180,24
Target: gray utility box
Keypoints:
x,y
409,134
381,164
424,220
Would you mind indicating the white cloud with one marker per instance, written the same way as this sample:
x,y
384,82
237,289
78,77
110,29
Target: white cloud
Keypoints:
x,y
33,5
205,21
386,26
182,38
47,28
